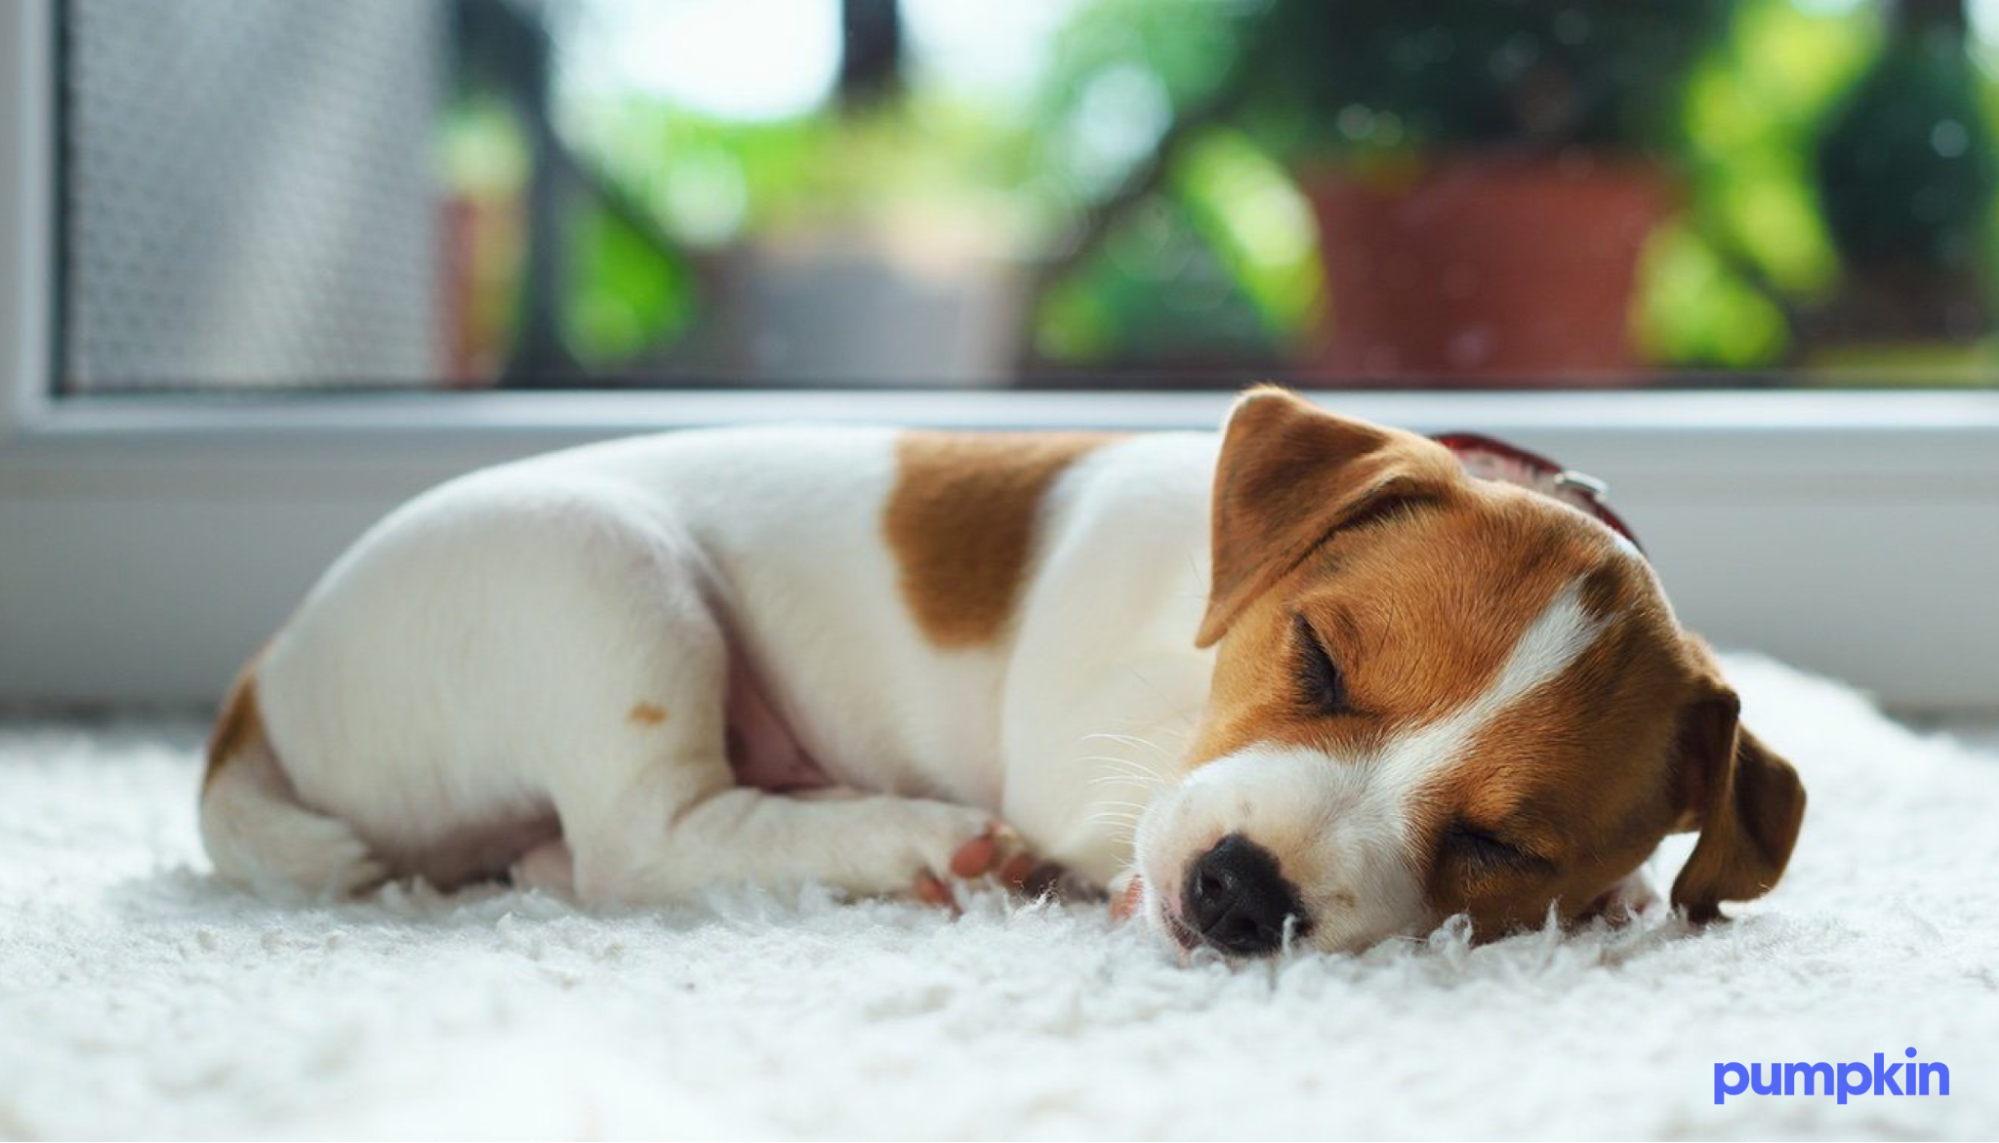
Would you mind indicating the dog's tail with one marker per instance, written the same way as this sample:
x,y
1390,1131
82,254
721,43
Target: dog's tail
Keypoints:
x,y
257,832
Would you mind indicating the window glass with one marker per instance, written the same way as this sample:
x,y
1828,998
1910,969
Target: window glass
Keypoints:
x,y
292,194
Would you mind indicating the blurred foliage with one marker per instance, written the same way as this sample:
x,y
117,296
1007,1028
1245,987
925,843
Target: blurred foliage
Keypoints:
x,y
1695,309
624,298
924,167
1158,293
1223,263
1247,207
481,148
1906,169
713,182
1753,113
1447,73
1218,259
1714,287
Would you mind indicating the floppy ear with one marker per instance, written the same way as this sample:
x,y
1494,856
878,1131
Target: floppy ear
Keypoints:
x,y
1746,801
1291,473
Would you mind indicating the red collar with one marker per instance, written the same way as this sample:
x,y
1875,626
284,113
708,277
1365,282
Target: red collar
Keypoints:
x,y
1490,459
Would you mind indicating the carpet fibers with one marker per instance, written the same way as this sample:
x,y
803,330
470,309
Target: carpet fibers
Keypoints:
x,y
139,998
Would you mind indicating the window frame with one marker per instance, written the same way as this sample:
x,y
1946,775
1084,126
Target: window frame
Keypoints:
x,y
149,543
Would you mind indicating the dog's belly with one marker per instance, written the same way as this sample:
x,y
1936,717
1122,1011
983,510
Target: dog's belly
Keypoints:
x,y
454,845
763,751
468,853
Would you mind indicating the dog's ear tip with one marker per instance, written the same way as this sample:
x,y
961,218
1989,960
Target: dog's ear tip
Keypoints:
x,y
1748,803
1262,395
1211,630
1699,907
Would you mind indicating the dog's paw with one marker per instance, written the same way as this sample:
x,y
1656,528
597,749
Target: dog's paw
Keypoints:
x,y
1127,894
979,851
932,851
994,851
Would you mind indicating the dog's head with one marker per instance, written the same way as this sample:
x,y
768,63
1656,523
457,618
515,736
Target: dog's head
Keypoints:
x,y
1435,694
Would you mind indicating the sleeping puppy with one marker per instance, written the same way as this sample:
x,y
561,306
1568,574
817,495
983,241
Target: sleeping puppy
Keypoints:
x,y
1310,681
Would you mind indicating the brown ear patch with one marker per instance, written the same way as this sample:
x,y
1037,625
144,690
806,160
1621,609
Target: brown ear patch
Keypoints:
x,y
1289,473
961,523
240,726
1748,803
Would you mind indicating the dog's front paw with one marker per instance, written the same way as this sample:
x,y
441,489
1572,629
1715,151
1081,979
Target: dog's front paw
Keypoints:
x,y
994,851
966,848
1127,894
997,854
930,850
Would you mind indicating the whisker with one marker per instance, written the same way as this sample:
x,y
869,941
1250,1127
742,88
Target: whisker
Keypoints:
x,y
1118,760
1128,772
1125,780
1129,778
1124,739
1116,816
1124,831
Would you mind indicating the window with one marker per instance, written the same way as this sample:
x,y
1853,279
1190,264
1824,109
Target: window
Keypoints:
x,y
268,267
261,194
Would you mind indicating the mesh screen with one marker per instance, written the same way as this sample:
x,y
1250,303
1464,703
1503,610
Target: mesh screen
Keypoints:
x,y
249,192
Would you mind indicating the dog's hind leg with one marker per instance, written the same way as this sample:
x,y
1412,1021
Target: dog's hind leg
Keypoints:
x,y
651,809
653,849
253,825
547,867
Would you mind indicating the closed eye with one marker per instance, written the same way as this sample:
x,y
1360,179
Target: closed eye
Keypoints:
x,y
1483,851
1321,685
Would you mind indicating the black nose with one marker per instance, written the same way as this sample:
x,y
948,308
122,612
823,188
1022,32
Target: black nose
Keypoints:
x,y
1237,900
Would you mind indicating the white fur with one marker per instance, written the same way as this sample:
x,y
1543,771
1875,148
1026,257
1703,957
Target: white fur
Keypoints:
x,y
466,671
1342,822
461,682
256,833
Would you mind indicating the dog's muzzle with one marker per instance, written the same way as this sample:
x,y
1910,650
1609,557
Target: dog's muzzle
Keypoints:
x,y
1236,900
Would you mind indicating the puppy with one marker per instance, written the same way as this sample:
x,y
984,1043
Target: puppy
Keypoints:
x,y
1309,681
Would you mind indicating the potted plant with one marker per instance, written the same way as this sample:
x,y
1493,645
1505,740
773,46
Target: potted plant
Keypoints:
x,y
1907,175
1485,173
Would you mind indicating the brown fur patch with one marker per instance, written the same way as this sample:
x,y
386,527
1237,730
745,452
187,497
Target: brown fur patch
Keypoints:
x,y
1290,475
1578,775
1420,612
239,727
961,523
1419,604
646,714
1421,615
1746,801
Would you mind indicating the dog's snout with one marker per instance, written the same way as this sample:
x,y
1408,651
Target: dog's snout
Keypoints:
x,y
1237,901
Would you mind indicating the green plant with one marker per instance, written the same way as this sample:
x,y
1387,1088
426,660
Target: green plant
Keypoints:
x,y
1907,167
1548,74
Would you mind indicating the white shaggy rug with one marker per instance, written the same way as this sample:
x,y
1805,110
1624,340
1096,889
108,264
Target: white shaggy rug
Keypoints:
x,y
137,998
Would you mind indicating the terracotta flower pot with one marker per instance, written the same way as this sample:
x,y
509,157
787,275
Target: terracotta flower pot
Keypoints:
x,y
1486,271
